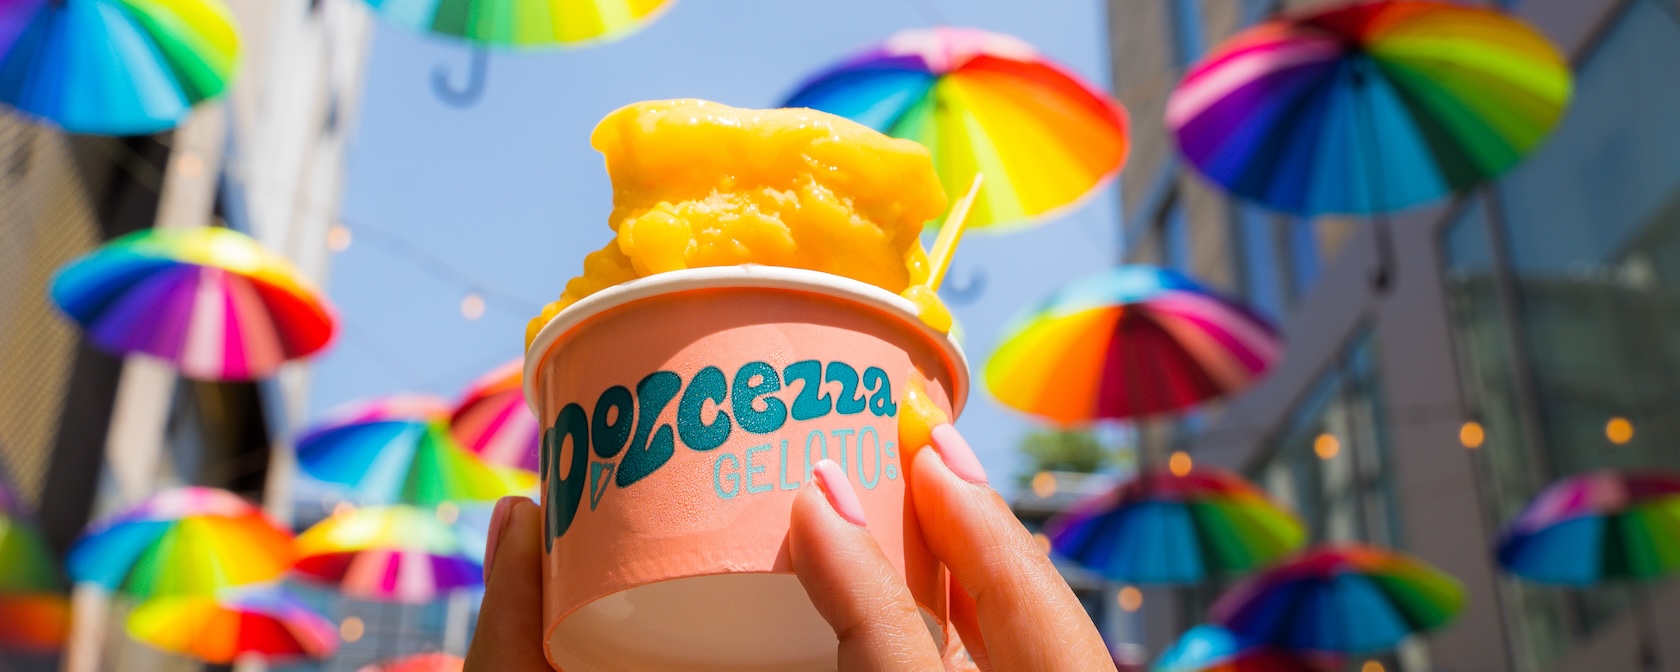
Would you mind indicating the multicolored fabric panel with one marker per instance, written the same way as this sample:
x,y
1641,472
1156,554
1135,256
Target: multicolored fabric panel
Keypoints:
x,y
1597,527
392,553
186,541
220,629
523,23
493,422
114,67
1369,108
988,103
209,300
1210,648
1160,528
1134,341
1348,598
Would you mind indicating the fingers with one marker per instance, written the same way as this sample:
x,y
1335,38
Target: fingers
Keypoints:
x,y
509,635
851,583
1028,616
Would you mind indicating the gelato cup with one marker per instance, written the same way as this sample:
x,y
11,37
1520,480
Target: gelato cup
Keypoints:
x,y
681,413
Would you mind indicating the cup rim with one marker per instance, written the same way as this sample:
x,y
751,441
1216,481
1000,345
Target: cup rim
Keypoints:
x,y
744,276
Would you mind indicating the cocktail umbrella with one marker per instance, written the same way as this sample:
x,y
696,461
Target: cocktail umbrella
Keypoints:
x,y
1132,342
1369,108
1162,528
425,662
982,102
523,23
493,422
1210,648
251,621
1347,598
391,553
1600,527
185,541
209,300
114,67
397,449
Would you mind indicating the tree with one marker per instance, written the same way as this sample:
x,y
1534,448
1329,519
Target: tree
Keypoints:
x,y
1076,450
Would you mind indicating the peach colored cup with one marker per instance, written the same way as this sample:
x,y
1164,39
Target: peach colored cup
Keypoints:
x,y
678,427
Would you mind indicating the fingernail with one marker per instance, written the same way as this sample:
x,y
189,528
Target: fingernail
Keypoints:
x,y
498,520
839,491
958,456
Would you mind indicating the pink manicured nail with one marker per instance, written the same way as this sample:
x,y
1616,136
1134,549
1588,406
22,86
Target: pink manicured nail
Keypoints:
x,y
958,456
498,520
840,494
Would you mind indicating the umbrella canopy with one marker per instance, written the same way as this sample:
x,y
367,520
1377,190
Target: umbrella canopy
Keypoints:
x,y
425,662
1161,528
398,449
493,422
1131,342
26,566
114,67
1210,648
35,622
263,621
1369,108
209,300
186,541
988,103
36,615
523,23
390,553
1597,527
1349,598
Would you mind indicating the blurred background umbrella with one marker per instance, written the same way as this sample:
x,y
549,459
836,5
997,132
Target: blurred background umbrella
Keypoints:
x,y
982,102
1210,648
1166,528
425,662
185,541
523,23
35,613
237,623
1601,527
114,67
1340,599
398,449
492,421
1131,342
390,553
211,301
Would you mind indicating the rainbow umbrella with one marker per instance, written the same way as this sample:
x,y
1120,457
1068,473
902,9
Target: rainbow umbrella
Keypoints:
x,y
1369,108
392,553
26,566
114,67
1210,648
493,422
34,622
397,449
1162,528
1131,342
260,620
210,300
425,662
185,541
1597,527
1348,599
982,102
523,23
36,615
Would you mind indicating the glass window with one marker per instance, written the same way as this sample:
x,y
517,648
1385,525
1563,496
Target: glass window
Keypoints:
x,y
1302,239
1173,235
1263,281
1187,31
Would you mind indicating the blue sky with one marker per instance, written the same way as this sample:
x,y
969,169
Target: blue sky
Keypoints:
x,y
507,195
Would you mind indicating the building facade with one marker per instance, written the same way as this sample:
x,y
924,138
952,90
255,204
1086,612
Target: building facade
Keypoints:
x,y
1526,334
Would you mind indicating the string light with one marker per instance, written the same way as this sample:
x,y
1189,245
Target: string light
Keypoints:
x,y
1326,446
1618,430
338,238
1131,599
352,629
448,513
1371,666
1180,463
1043,541
1472,435
472,306
343,509
1044,484
189,165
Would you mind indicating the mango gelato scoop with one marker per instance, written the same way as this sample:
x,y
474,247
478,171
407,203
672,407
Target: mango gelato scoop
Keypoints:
x,y
699,184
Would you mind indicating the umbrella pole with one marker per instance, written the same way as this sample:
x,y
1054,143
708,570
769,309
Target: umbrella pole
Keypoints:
x,y
1646,628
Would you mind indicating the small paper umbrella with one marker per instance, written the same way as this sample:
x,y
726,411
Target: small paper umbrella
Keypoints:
x,y
1131,342
1210,648
209,300
256,620
34,622
397,449
114,67
982,102
1597,527
523,23
1369,108
1349,598
185,541
1160,528
493,422
391,553
425,662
